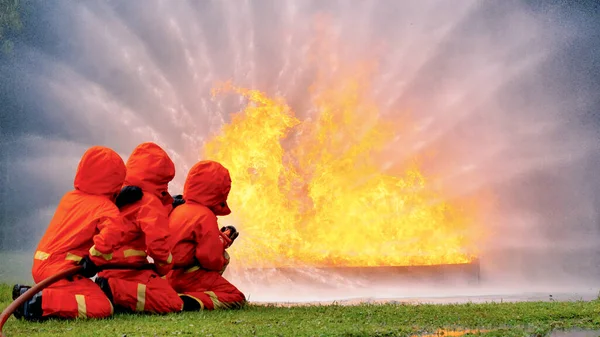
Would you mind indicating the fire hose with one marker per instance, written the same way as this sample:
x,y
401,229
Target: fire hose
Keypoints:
x,y
53,279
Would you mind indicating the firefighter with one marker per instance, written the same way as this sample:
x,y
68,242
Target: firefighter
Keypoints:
x,y
199,249
86,227
146,234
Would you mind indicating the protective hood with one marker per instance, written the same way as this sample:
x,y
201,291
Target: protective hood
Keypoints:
x,y
208,183
150,168
101,171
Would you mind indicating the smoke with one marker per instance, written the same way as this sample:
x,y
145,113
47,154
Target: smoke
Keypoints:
x,y
500,98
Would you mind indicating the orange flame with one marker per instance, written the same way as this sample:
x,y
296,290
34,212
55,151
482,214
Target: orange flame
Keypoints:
x,y
311,192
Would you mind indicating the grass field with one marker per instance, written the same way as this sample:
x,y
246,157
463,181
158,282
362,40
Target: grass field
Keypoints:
x,y
493,319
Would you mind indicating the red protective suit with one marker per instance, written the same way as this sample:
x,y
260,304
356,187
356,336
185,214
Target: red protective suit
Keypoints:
x,y
146,233
84,218
199,246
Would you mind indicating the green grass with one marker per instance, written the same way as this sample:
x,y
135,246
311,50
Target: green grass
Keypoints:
x,y
502,319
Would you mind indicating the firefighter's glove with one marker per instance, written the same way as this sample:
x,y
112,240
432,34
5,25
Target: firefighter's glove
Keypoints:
x,y
230,232
89,268
178,200
129,195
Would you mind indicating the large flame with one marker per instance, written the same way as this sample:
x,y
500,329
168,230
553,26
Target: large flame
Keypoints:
x,y
312,193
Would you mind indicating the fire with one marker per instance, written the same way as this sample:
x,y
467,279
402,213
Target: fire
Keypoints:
x,y
312,192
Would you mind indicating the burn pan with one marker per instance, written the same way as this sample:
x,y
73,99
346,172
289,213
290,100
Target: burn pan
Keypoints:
x,y
442,273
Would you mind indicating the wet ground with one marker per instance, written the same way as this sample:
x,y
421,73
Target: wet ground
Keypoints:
x,y
452,333
457,333
576,333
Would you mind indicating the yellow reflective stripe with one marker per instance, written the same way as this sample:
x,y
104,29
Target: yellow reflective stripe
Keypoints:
x,y
141,297
134,252
169,260
95,252
39,255
81,308
192,269
73,257
227,259
223,305
213,297
112,309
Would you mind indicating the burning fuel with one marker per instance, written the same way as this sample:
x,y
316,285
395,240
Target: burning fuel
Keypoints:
x,y
312,192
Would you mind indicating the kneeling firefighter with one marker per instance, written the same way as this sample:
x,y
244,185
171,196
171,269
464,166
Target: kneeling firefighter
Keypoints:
x,y
146,233
85,229
199,250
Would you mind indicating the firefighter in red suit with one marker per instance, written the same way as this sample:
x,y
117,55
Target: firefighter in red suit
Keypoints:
x,y
199,246
86,229
146,233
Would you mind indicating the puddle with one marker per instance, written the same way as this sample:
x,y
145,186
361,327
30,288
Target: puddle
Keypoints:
x,y
575,333
453,333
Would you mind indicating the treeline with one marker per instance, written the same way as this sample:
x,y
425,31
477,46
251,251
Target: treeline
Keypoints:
x,y
12,16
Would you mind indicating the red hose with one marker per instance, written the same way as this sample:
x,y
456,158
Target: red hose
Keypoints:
x,y
53,279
